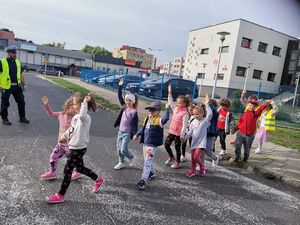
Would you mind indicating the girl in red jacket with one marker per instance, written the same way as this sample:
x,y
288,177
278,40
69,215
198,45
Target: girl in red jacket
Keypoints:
x,y
247,128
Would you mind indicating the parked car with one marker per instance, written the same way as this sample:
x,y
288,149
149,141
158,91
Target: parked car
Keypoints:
x,y
49,71
134,87
113,80
179,87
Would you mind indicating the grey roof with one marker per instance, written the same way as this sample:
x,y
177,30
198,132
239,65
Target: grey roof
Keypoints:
x,y
54,51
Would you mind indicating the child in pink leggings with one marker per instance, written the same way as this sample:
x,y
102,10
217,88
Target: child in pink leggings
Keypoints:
x,y
64,118
198,133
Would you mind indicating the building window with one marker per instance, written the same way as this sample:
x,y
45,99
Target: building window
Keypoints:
x,y
257,74
220,76
271,76
246,42
224,49
276,51
200,75
204,51
262,47
240,71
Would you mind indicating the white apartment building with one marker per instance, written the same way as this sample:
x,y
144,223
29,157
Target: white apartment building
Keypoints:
x,y
175,67
248,43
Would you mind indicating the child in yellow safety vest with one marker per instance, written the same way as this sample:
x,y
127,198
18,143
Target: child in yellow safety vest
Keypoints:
x,y
266,124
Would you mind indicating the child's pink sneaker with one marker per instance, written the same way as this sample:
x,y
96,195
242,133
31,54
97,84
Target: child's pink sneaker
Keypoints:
x,y
202,171
170,162
190,173
48,176
56,198
176,165
98,184
75,175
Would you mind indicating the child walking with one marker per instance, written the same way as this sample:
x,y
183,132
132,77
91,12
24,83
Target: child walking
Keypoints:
x,y
266,124
225,122
64,118
151,134
177,128
211,134
191,118
198,132
127,121
246,129
77,136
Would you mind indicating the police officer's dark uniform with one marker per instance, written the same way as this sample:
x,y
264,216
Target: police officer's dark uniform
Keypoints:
x,y
11,83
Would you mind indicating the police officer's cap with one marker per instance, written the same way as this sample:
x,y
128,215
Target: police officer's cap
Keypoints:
x,y
12,49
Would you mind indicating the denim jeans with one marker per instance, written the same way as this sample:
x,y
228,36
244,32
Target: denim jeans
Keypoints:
x,y
122,146
240,140
210,143
148,164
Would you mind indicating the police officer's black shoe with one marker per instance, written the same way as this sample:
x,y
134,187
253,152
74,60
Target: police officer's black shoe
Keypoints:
x,y
6,122
23,120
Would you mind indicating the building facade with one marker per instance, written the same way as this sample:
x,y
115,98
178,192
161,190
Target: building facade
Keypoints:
x,y
135,55
174,68
34,56
249,49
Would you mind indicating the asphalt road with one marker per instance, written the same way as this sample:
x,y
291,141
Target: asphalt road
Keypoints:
x,y
222,196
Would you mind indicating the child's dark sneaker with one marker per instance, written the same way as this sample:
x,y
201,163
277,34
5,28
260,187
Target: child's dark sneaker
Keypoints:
x,y
151,175
141,184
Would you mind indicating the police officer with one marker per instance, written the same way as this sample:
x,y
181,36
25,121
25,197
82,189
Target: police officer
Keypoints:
x,y
11,82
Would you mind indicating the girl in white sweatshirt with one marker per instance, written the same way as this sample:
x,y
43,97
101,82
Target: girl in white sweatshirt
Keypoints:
x,y
77,137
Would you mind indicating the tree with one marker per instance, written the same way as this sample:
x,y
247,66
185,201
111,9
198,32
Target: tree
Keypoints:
x,y
96,50
56,44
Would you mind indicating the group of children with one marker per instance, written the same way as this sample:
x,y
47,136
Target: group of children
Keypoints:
x,y
198,124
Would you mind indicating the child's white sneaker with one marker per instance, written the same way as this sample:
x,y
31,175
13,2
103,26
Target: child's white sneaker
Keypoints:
x,y
215,162
119,166
222,152
258,150
132,162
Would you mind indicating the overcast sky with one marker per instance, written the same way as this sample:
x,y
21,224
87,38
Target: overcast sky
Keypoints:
x,y
156,24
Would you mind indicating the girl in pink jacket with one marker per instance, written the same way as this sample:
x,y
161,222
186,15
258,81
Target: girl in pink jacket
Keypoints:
x,y
177,128
64,118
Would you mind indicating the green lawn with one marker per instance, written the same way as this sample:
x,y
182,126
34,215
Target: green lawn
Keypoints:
x,y
76,88
289,138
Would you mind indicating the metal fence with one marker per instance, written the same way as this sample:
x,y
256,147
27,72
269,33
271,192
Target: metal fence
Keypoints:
x,y
146,86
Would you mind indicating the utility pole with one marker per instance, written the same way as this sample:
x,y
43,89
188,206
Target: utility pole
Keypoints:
x,y
296,89
222,38
246,78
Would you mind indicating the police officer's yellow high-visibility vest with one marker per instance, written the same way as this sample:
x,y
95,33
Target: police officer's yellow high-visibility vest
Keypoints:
x,y
5,82
270,121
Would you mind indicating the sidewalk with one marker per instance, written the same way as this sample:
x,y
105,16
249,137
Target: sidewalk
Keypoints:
x,y
275,162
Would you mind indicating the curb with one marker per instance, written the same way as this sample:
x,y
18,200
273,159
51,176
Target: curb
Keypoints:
x,y
268,174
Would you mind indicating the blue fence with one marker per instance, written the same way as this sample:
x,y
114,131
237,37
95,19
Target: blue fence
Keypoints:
x,y
154,86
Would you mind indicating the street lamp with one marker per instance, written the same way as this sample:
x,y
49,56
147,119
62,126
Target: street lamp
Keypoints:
x,y
201,82
246,78
222,38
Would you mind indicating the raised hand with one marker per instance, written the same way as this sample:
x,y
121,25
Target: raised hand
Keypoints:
x,y
206,100
45,100
170,89
121,82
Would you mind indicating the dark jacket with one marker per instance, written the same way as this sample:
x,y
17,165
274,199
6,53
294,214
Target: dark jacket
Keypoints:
x,y
135,120
212,129
154,133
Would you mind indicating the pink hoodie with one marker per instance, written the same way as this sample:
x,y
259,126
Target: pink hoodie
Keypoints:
x,y
63,118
